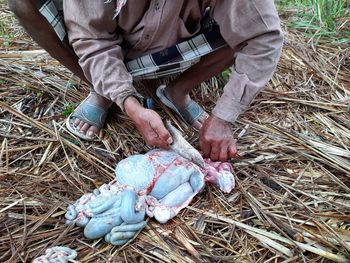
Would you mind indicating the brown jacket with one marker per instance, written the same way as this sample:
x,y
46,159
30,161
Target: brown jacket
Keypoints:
x,y
250,27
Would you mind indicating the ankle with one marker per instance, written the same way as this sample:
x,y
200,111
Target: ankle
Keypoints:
x,y
180,98
100,100
176,91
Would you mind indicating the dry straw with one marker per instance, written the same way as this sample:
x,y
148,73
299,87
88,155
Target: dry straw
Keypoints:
x,y
291,203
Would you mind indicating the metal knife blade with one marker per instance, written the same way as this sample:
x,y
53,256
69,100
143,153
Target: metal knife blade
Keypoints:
x,y
184,148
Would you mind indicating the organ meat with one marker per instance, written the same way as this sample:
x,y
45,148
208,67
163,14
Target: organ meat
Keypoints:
x,y
159,184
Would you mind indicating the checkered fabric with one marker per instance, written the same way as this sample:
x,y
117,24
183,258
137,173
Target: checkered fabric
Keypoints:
x,y
168,62
178,58
52,10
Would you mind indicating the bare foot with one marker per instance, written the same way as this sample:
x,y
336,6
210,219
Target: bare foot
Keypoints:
x,y
181,101
86,128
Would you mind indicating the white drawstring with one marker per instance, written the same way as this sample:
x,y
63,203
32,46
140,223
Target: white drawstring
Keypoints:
x,y
119,4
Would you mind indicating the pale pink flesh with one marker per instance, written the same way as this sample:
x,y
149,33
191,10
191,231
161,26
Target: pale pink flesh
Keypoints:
x,y
220,174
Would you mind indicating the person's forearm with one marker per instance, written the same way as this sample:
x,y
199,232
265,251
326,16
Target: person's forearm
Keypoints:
x,y
255,65
132,107
257,39
42,32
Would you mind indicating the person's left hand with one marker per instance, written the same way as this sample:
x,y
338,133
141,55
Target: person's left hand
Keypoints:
x,y
216,140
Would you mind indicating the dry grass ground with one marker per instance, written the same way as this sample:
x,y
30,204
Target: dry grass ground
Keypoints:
x,y
292,200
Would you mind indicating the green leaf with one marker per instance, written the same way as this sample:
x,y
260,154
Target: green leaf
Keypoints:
x,y
68,110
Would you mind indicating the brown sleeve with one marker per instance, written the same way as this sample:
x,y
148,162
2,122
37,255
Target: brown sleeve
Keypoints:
x,y
252,28
92,34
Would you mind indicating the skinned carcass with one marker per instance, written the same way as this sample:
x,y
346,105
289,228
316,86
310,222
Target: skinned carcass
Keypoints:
x,y
159,184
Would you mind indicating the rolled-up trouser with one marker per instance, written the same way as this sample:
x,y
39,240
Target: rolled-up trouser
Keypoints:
x,y
170,61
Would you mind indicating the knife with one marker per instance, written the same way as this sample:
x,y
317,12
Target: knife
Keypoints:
x,y
182,147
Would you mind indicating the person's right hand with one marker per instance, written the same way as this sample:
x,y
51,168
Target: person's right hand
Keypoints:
x,y
152,129
148,123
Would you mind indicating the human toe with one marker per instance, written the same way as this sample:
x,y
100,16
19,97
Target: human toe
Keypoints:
x,y
76,122
80,126
92,131
84,128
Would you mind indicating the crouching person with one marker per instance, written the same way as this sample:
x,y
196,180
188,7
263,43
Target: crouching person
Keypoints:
x,y
111,43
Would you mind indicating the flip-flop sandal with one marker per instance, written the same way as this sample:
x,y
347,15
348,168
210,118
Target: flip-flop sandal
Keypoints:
x,y
189,115
88,113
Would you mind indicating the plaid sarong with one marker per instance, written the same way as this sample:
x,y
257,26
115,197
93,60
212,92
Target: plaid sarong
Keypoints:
x,y
168,62
52,10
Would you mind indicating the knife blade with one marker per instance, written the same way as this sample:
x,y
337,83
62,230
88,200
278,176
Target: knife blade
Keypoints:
x,y
183,147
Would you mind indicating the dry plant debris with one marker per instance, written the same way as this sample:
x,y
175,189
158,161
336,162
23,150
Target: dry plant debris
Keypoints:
x,y
292,200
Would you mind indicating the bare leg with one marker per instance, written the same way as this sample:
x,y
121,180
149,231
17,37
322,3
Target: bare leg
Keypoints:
x,y
209,66
42,32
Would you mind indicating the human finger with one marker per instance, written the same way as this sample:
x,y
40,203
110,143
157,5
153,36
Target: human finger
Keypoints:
x,y
205,146
232,151
223,156
162,132
159,143
152,139
215,151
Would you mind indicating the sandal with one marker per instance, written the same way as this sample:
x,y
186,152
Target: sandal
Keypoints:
x,y
189,115
88,113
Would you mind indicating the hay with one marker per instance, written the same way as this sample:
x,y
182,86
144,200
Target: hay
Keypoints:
x,y
292,201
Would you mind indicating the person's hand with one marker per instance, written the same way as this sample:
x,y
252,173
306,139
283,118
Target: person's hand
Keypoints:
x,y
216,140
152,129
148,123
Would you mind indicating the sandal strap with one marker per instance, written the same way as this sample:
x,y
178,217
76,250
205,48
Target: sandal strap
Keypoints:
x,y
192,112
91,114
